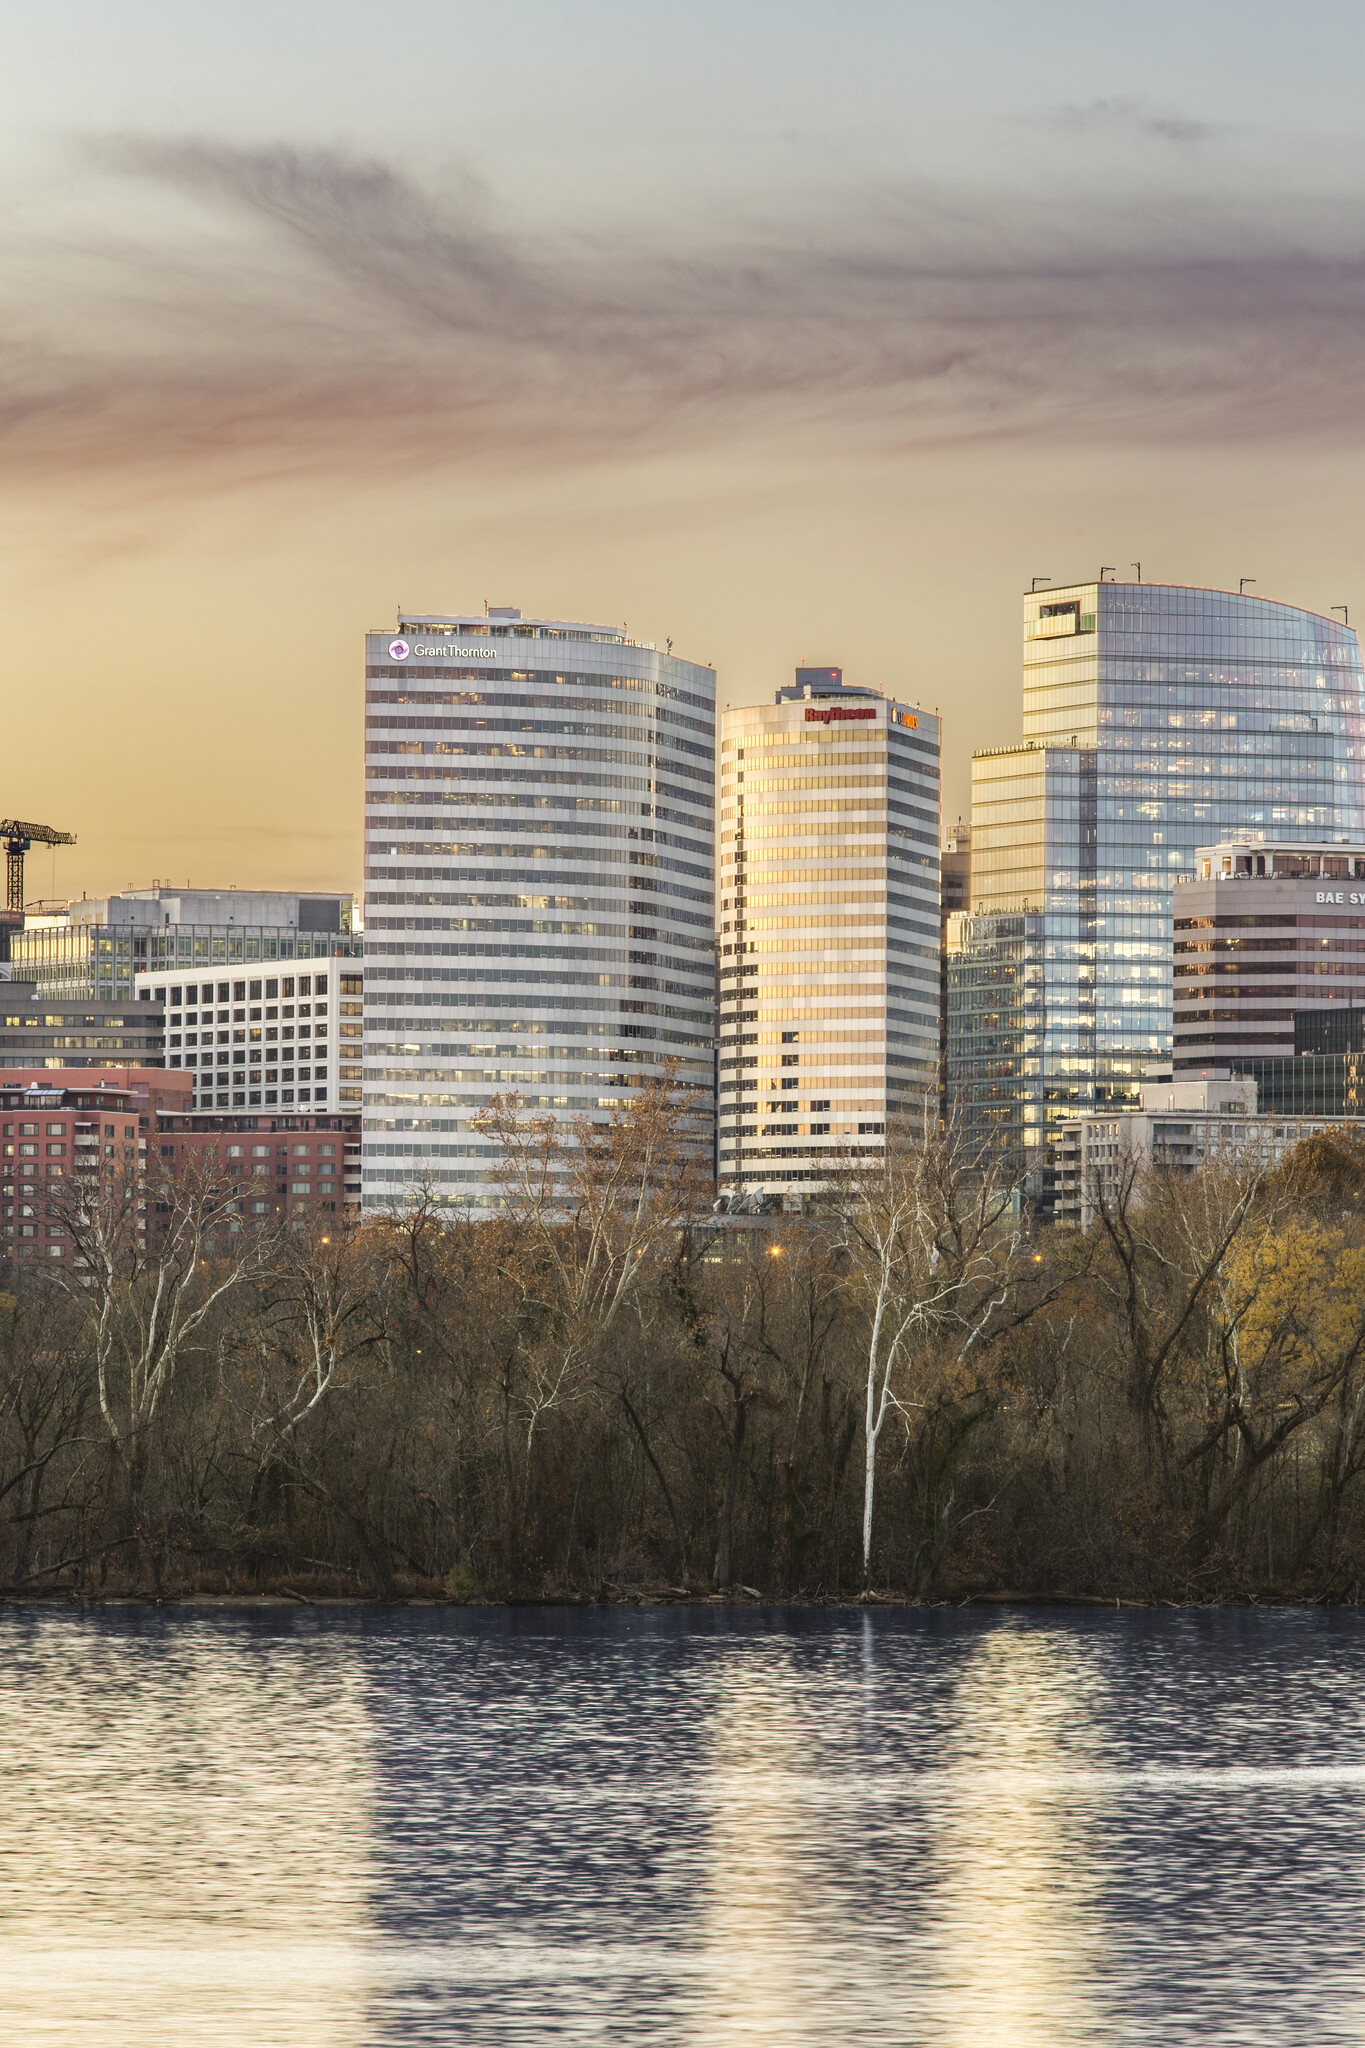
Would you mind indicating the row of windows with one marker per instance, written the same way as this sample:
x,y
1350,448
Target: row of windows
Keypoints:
x,y
500,877
637,685
598,828
643,734
516,750
506,701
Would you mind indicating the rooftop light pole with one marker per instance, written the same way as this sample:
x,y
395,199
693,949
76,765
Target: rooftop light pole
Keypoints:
x,y
1242,582
1345,614
1036,581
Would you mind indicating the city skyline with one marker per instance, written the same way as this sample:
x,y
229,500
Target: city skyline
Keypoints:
x,y
865,327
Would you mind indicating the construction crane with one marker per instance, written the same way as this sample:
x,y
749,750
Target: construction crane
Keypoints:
x,y
18,838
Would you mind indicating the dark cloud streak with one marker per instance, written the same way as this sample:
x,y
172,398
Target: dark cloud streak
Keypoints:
x,y
1124,117
328,313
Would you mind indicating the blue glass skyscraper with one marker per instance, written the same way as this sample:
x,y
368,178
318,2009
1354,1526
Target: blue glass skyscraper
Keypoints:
x,y
1157,719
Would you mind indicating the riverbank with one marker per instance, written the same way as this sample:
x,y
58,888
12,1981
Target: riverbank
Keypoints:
x,y
293,1595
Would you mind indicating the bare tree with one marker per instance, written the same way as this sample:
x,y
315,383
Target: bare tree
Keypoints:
x,y
154,1251
597,1204
320,1308
937,1257
45,1392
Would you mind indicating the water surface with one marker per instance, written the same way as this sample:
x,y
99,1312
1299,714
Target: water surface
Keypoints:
x,y
778,1828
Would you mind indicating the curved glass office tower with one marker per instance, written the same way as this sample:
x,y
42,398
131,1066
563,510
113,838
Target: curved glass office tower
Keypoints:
x,y
1157,719
539,841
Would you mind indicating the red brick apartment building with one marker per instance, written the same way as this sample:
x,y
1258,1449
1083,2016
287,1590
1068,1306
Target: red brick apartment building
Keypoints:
x,y
53,1121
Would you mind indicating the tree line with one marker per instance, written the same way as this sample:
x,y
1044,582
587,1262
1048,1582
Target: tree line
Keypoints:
x,y
605,1391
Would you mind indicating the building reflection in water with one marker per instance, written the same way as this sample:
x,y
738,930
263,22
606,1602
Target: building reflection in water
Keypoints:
x,y
1015,1937
760,1927
185,1827
902,1856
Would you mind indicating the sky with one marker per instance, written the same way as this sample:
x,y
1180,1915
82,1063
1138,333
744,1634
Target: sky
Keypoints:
x,y
788,332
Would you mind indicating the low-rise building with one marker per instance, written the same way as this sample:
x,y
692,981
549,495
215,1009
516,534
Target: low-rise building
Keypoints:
x,y
55,1124
38,1030
305,1169
95,947
1183,1124
265,1041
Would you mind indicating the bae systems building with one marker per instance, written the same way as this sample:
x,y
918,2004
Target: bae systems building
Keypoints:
x,y
538,859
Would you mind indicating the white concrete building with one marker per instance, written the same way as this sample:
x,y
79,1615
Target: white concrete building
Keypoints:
x,y
1182,1125
282,1035
827,927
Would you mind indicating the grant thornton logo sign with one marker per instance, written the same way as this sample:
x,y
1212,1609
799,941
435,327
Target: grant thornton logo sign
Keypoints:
x,y
444,650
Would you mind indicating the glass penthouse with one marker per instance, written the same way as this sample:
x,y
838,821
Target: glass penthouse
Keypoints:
x,y
97,946
539,816
1157,720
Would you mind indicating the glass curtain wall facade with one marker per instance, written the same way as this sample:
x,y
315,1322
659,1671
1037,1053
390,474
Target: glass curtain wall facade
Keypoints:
x,y
539,828
828,929
98,962
1157,719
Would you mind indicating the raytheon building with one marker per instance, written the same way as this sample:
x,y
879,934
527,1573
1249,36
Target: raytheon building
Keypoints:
x,y
539,816
828,929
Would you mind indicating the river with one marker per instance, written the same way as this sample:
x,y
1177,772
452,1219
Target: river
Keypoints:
x,y
730,1828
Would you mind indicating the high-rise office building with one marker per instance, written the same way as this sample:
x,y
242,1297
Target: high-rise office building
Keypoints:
x,y
1157,720
828,927
539,828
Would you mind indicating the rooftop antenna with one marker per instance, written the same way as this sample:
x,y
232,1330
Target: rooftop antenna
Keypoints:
x,y
1345,615
1242,582
1036,581
1106,569
1138,567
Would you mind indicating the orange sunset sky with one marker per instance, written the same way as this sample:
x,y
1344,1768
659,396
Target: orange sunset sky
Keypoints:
x,y
787,332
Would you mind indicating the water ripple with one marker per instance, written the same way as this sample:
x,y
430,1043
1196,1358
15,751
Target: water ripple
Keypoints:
x,y
698,1828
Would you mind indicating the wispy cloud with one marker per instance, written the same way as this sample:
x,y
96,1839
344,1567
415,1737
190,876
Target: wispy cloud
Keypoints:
x,y
299,310
1126,117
